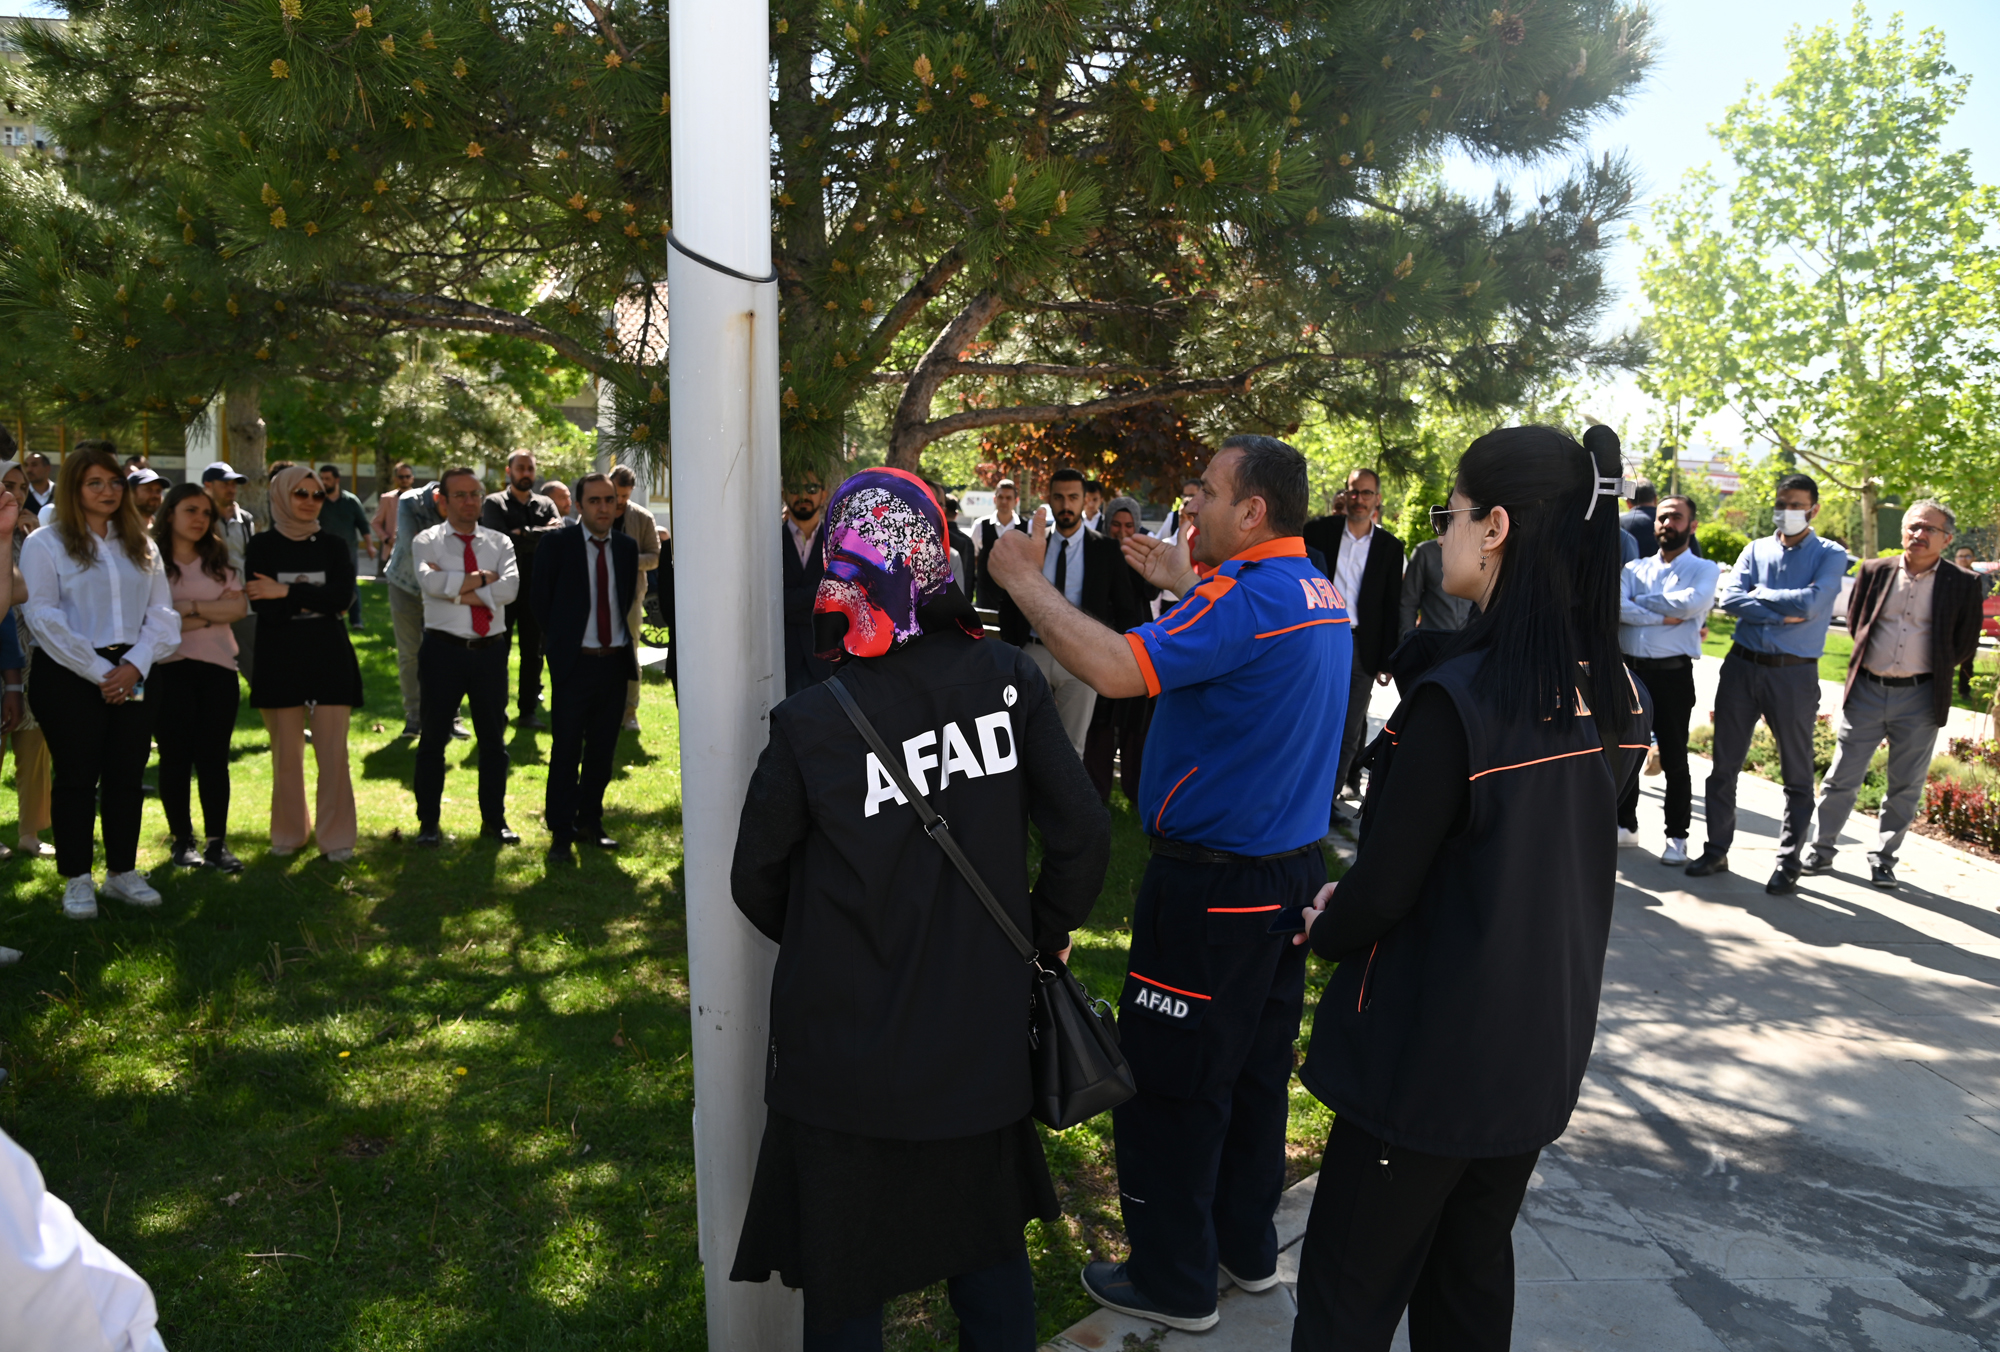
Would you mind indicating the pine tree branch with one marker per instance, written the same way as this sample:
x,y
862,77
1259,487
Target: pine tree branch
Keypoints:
x,y
909,305
1169,310
405,310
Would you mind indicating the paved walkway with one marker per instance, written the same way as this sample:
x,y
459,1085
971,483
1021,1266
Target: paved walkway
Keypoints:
x,y
1789,1137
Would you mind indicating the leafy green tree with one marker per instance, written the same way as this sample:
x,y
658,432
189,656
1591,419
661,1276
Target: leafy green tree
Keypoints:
x,y
1839,297
986,215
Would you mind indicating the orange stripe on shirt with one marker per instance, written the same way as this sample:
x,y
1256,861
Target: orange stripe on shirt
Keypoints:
x,y
1244,910
1170,798
1192,995
1592,751
1307,625
1210,591
1145,662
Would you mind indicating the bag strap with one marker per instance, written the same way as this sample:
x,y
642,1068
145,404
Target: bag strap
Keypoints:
x,y
936,827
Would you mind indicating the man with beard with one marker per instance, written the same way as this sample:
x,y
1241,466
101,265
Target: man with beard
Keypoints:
x,y
638,522
524,517
1090,572
803,554
148,489
347,521
1665,598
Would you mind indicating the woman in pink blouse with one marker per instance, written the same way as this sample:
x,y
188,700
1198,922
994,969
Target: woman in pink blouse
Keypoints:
x,y
196,688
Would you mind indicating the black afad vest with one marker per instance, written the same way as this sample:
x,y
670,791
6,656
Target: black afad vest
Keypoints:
x,y
1466,1031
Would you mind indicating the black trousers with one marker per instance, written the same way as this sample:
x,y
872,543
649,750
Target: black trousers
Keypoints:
x,y
450,672
1672,687
1787,699
99,752
528,642
1208,1020
586,709
1360,684
995,1308
1117,732
1423,1232
195,705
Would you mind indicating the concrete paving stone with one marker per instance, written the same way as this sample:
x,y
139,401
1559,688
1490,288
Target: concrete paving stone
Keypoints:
x,y
1552,1172
1595,1236
1534,1260
1293,1208
1593,1316
1250,1323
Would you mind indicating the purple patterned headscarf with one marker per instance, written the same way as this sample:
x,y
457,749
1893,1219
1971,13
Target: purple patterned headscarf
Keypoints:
x,y
886,561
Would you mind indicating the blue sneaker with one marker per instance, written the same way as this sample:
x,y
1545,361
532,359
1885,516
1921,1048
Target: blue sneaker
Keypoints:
x,y
1110,1287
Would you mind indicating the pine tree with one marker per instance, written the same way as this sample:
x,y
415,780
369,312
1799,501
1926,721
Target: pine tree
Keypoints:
x,y
985,216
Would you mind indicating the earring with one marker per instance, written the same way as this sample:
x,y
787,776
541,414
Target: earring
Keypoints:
x,y
1482,565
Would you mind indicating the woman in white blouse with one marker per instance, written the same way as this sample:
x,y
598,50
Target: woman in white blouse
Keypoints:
x,y
103,613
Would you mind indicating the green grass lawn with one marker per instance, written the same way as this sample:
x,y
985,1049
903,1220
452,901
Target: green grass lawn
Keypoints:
x,y
424,1100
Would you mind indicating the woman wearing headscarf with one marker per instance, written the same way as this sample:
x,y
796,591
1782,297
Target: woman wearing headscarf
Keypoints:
x,y
300,586
898,1150
1471,931
17,715
99,605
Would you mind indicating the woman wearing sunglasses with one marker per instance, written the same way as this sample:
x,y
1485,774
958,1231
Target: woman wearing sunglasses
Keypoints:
x,y
1471,931
300,586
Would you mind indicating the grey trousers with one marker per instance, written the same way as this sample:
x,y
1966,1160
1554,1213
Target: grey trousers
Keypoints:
x,y
1787,698
1360,686
1901,716
1075,701
406,613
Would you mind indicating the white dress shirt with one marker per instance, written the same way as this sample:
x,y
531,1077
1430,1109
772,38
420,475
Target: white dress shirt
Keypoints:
x,y
438,556
1348,568
591,545
59,1287
1073,574
76,610
1653,591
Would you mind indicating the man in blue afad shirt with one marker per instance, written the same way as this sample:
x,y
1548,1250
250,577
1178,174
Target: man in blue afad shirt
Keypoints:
x,y
1251,672
1781,592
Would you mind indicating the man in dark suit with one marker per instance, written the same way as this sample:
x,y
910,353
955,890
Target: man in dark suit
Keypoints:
x,y
1638,522
1366,565
802,550
1913,619
1090,571
586,576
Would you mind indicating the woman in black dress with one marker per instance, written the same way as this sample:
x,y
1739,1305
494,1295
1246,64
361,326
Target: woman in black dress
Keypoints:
x,y
898,1150
1471,931
300,586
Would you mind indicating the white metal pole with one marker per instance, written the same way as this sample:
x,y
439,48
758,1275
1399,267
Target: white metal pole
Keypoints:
x,y
723,369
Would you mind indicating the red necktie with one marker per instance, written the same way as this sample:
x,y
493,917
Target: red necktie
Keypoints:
x,y
482,618
603,595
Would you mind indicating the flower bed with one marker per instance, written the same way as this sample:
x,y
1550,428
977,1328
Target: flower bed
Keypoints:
x,y
1962,793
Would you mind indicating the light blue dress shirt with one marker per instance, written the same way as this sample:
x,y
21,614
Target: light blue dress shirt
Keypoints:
x,y
1073,575
1653,591
416,512
1773,581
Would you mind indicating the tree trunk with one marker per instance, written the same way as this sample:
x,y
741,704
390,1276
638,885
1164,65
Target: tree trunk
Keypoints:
x,y
1868,531
243,420
909,430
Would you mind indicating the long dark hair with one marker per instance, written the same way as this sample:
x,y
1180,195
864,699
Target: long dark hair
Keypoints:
x,y
71,524
1556,600
210,548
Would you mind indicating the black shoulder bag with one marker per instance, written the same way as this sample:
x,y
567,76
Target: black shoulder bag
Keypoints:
x,y
1073,1057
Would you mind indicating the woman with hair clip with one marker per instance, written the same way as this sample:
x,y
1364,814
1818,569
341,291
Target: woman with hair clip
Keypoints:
x,y
196,689
1470,933
99,606
300,585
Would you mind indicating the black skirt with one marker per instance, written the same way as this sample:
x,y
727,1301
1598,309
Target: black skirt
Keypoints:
x,y
855,1220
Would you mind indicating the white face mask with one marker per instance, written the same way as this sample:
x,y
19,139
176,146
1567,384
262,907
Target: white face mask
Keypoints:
x,y
1789,522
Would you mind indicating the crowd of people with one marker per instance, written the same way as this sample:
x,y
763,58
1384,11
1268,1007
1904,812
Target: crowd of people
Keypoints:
x,y
1543,647
137,613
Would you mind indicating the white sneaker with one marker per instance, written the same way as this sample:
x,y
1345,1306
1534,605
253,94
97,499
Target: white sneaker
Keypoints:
x,y
9,956
1676,851
32,848
130,888
1251,1285
1627,837
80,897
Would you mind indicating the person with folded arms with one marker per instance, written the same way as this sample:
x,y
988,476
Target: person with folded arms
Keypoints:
x,y
196,688
1663,599
102,612
1781,592
300,586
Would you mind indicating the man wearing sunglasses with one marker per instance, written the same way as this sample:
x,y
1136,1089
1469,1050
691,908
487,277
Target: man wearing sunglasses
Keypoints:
x,y
1367,570
802,553
1913,619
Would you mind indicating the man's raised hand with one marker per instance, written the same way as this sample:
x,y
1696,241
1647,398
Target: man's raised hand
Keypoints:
x,y
1163,565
